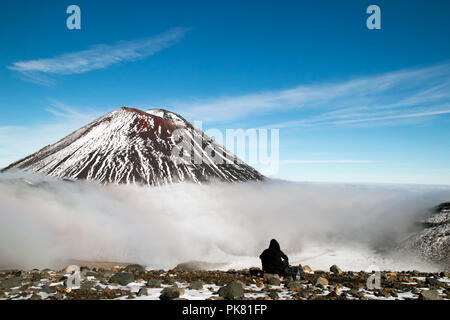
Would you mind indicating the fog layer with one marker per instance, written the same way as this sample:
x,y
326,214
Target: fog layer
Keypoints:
x,y
47,222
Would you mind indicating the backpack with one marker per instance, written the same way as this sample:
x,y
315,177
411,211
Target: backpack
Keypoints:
x,y
296,272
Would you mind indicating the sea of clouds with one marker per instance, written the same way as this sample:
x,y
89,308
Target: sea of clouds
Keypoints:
x,y
47,222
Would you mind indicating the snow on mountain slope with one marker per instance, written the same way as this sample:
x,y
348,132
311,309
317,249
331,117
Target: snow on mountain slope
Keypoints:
x,y
433,240
132,146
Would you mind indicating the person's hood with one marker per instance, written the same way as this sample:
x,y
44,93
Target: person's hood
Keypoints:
x,y
274,245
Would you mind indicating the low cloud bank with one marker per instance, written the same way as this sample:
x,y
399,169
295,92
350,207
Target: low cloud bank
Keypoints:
x,y
47,222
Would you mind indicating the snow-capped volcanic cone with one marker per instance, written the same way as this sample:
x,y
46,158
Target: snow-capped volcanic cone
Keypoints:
x,y
132,146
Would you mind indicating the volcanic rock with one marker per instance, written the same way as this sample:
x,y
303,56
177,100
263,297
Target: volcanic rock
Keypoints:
x,y
274,295
294,285
335,269
122,278
272,279
196,285
430,295
432,282
232,291
170,293
321,281
88,285
153,283
134,268
11,282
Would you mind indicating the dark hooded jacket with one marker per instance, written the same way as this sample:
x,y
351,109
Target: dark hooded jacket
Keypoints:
x,y
273,259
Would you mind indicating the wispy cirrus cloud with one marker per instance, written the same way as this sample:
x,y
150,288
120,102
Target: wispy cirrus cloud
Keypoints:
x,y
338,161
347,117
397,96
97,57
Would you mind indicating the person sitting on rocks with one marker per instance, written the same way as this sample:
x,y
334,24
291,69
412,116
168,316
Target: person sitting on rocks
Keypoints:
x,y
274,260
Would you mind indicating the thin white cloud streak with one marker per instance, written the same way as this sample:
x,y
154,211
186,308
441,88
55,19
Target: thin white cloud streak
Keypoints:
x,y
402,94
333,119
326,161
97,57
61,110
401,116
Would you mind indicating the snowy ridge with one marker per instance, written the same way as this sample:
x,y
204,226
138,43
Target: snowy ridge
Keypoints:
x,y
433,241
132,146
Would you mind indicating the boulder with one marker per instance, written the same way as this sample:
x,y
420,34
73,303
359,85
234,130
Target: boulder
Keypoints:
x,y
122,278
432,282
153,283
232,291
274,295
195,266
272,279
36,277
321,281
170,293
302,294
11,282
430,295
196,285
241,283
135,268
294,286
335,269
87,285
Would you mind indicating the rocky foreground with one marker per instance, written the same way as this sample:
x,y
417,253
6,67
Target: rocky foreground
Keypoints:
x,y
137,282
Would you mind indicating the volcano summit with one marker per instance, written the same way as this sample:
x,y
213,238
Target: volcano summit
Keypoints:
x,y
132,146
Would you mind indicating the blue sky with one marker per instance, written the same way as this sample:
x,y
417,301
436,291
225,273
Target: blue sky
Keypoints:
x,y
351,104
